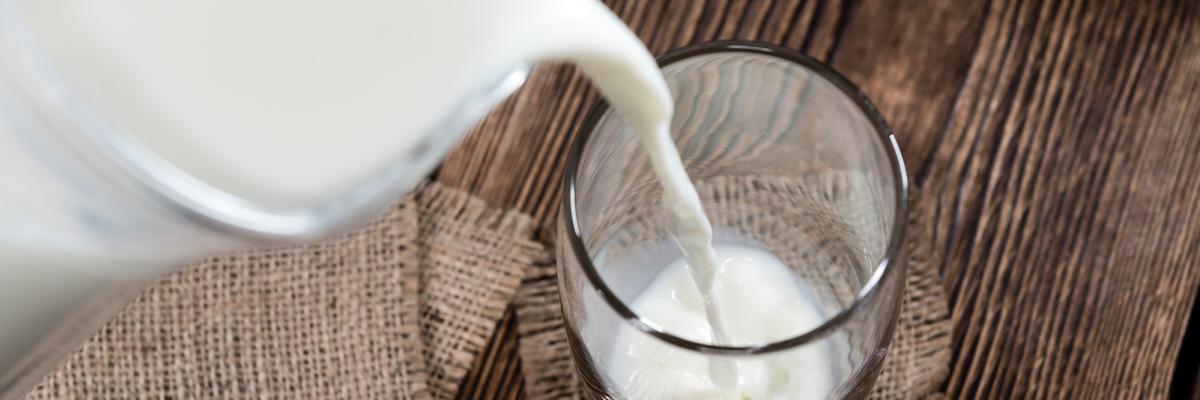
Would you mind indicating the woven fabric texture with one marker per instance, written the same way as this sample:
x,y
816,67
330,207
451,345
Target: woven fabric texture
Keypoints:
x,y
329,320
472,257
398,309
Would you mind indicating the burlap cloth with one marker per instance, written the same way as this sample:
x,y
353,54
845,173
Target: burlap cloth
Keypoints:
x,y
397,309
918,359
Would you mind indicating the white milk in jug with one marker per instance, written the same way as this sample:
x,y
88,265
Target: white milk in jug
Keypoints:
x,y
292,102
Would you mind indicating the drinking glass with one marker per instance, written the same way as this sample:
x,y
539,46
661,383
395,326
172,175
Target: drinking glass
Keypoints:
x,y
788,157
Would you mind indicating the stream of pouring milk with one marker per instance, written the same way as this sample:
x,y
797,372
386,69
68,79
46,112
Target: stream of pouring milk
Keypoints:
x,y
294,101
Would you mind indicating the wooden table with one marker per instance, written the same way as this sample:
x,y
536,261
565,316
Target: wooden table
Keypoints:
x,y
1053,145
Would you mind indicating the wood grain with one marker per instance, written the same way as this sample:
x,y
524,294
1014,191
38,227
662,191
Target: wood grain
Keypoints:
x,y
1067,218
1053,141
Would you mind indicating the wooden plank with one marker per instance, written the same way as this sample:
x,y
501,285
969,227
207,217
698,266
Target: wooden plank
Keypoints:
x,y
1065,199
911,61
1053,141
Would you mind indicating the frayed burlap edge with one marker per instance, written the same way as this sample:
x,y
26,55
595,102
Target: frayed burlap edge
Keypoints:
x,y
543,347
461,265
473,258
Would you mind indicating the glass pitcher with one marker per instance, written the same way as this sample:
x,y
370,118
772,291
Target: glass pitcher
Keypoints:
x,y
90,212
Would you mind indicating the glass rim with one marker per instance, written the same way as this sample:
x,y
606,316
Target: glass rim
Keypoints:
x,y
868,291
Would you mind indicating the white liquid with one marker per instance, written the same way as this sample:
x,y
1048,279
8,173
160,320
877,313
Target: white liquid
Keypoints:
x,y
276,101
762,303
296,101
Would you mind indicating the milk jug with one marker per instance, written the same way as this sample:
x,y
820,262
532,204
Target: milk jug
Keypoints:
x,y
139,135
